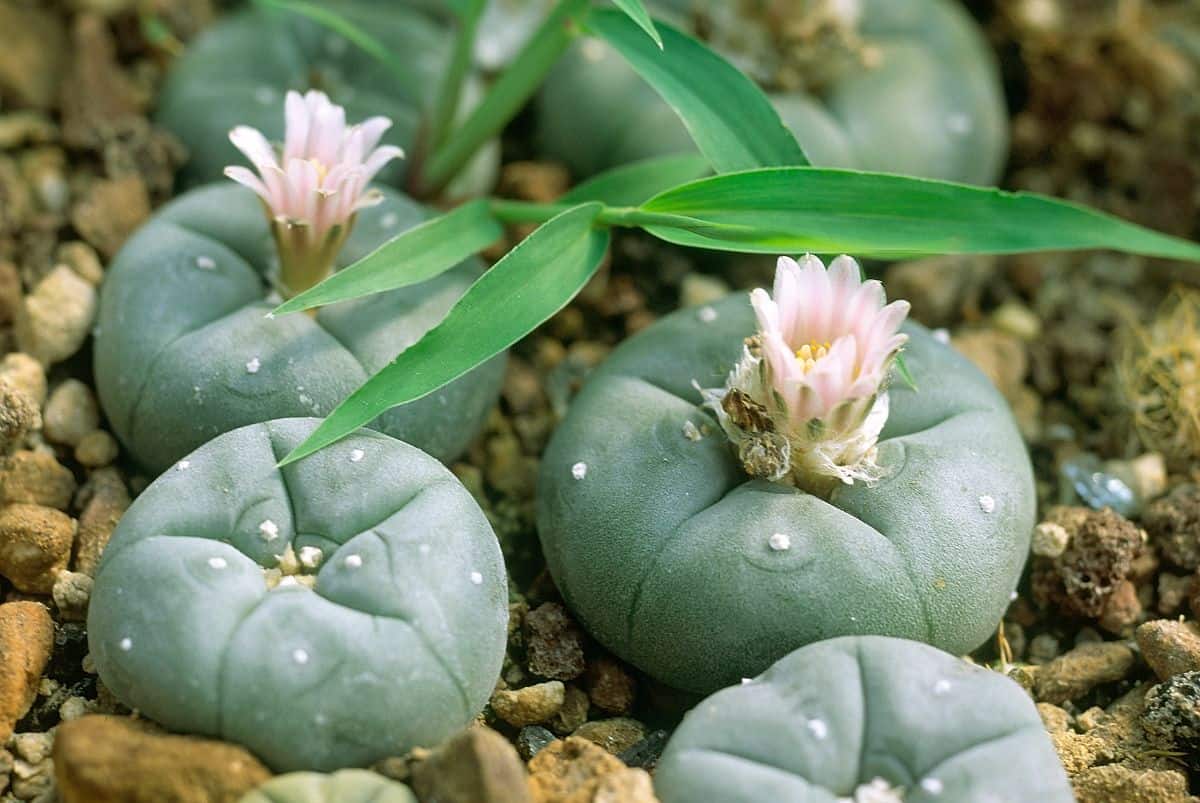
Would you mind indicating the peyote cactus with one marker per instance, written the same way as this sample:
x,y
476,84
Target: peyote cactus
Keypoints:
x,y
680,563
346,786
865,718
185,350
344,608
905,87
237,72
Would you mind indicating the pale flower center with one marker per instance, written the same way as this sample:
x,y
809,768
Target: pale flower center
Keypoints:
x,y
810,353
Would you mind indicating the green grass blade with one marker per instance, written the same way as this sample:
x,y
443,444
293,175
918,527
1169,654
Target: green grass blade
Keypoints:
x,y
418,254
825,210
731,120
637,12
636,183
521,291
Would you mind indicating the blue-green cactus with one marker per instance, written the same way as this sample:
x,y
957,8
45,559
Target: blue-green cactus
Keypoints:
x,y
184,349
347,786
845,713
668,553
238,71
203,619
928,102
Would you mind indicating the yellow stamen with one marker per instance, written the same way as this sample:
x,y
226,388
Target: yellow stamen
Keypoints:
x,y
810,352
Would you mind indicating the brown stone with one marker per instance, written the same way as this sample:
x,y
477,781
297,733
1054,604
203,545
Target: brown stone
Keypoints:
x,y
109,759
105,500
554,643
35,545
614,735
476,766
26,641
36,478
574,711
1122,610
563,768
18,415
610,687
97,91
1115,782
10,291
1077,672
110,211
529,705
1170,646
33,46
57,315
623,786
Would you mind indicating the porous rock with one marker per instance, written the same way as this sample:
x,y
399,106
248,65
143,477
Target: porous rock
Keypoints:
x,y
1170,646
26,641
529,705
109,759
35,545
1077,672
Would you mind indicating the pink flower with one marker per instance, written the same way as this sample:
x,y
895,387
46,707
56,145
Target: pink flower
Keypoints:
x,y
807,400
827,336
313,188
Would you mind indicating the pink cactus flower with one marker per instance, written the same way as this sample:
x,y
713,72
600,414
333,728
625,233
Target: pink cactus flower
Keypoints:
x,y
315,185
808,399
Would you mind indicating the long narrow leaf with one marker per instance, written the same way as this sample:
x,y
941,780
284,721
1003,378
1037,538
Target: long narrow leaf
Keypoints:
x,y
637,12
729,117
525,288
826,210
418,254
638,182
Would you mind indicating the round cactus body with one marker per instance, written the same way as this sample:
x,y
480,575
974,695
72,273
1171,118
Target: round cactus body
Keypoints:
x,y
184,350
344,608
346,786
927,101
684,567
867,711
238,71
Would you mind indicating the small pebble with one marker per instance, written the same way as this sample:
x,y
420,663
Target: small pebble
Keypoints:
x,y
531,739
530,705
1049,539
1170,647
71,412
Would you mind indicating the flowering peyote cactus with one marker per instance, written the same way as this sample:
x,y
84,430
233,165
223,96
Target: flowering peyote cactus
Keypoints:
x,y
344,608
346,786
865,720
668,537
186,348
905,87
238,71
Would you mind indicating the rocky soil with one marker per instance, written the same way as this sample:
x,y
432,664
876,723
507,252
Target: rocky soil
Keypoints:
x,y
1097,353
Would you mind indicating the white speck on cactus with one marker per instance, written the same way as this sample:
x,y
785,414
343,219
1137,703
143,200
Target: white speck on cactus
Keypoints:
x,y
423,549
691,431
270,316
780,542
311,557
269,530
877,791
476,578
390,220
933,786
357,455
126,644
959,123
818,728
217,563
579,470
252,365
300,656
941,687
353,561
321,720
987,504
1012,596
941,335
265,95
182,465
706,314
205,263
593,50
